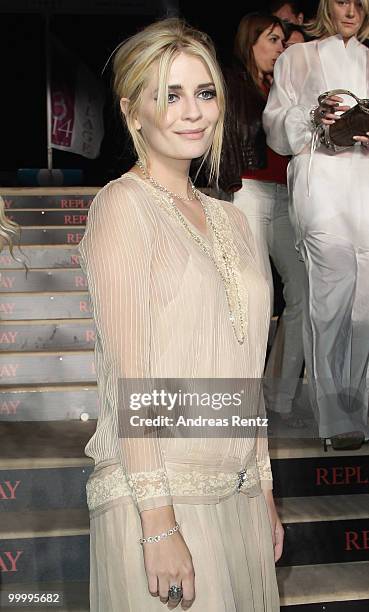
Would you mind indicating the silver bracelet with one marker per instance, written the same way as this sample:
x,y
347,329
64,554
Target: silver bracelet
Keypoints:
x,y
312,116
161,536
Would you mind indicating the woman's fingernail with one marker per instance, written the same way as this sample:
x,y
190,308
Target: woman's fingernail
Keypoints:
x,y
355,138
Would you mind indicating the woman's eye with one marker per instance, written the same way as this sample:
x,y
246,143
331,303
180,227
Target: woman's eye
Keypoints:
x,y
172,98
207,94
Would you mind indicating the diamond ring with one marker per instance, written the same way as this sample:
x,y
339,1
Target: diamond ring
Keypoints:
x,y
175,592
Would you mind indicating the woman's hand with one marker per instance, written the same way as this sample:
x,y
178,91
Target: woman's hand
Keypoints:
x,y
169,561
363,139
275,524
326,112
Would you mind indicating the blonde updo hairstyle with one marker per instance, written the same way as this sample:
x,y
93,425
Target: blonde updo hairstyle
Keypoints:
x,y
161,42
323,25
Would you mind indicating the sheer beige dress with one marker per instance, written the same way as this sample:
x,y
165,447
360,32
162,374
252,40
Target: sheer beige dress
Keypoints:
x,y
160,309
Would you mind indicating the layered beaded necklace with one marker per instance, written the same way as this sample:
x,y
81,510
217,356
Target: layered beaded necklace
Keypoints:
x,y
223,254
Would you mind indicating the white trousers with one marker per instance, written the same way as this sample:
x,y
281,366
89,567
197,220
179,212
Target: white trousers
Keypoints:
x,y
332,233
265,205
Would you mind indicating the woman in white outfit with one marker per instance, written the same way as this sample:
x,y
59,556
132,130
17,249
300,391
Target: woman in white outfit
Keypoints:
x,y
258,178
329,192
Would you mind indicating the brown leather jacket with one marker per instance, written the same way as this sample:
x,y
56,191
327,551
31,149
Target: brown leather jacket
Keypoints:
x,y
244,146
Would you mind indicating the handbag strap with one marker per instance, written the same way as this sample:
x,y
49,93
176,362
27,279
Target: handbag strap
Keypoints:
x,y
363,103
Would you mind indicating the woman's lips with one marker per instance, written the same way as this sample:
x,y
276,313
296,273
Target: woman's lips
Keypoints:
x,y
192,134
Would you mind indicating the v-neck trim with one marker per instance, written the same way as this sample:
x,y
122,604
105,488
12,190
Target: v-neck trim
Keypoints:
x,y
152,189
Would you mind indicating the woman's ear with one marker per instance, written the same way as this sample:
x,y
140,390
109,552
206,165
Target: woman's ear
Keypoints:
x,y
124,106
124,103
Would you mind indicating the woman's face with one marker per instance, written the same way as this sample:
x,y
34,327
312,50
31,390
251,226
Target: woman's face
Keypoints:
x,y
347,17
268,48
187,130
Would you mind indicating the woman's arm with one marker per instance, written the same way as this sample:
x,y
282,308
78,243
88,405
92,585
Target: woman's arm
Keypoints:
x,y
287,124
116,254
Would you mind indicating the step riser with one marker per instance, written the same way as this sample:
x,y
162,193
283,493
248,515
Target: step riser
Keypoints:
x,y
57,257
326,542
39,307
44,559
321,476
333,606
43,489
48,405
39,280
71,235
61,218
62,201
21,369
52,336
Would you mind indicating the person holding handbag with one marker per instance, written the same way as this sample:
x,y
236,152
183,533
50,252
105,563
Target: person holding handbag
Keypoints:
x,y
329,189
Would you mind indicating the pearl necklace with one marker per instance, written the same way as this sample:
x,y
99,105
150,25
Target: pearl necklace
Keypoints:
x,y
223,256
171,194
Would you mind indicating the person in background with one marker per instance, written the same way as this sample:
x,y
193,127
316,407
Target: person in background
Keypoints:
x,y
329,191
287,11
257,177
295,34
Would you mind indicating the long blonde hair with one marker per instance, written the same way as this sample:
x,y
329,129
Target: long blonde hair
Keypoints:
x,y
161,42
8,231
323,25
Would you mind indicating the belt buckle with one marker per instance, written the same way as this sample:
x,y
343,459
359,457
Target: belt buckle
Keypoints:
x,y
242,477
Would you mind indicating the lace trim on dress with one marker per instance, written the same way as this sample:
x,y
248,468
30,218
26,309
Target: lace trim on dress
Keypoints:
x,y
153,484
265,470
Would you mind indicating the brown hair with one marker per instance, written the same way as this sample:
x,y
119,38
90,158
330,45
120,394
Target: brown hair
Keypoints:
x,y
248,32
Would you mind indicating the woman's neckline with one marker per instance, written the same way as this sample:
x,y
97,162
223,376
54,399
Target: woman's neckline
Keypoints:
x,y
153,190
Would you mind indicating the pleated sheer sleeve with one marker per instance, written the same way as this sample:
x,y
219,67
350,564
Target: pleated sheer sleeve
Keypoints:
x,y
116,255
287,123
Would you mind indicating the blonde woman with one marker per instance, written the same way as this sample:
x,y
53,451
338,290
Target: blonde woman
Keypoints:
x,y
329,210
176,294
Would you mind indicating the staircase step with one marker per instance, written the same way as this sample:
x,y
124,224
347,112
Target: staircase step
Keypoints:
x,y
45,558
48,367
58,256
321,584
75,595
43,489
52,235
325,475
327,508
56,403
57,335
43,280
44,444
44,545
324,530
48,197
298,448
48,305
44,523
66,217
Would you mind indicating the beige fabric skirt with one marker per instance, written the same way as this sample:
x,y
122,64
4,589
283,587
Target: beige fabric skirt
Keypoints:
x,y
231,547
